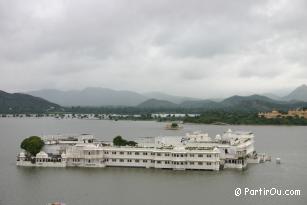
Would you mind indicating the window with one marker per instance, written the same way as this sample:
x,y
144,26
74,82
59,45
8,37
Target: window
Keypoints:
x,y
158,162
121,160
113,160
129,153
113,152
137,161
181,163
181,155
152,153
152,161
208,155
121,153
158,154
145,160
200,163
191,155
144,153
166,154
89,161
136,153
191,163
106,152
200,155
208,163
129,160
89,153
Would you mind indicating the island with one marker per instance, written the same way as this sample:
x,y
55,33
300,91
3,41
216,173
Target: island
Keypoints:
x,y
194,151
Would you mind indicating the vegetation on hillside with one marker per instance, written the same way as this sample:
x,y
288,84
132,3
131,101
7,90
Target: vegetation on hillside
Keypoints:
x,y
17,103
243,118
119,141
32,145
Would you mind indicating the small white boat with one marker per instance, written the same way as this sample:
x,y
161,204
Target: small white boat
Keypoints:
x,y
278,161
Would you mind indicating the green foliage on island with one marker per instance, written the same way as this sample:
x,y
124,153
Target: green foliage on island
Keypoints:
x,y
174,125
243,118
119,141
32,145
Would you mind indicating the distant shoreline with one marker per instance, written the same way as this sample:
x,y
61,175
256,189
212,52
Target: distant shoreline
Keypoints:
x,y
184,121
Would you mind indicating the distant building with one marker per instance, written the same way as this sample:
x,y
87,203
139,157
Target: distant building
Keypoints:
x,y
270,115
301,113
298,113
174,115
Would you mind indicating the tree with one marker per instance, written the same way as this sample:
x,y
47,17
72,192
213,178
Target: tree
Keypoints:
x,y
174,125
119,141
131,143
32,145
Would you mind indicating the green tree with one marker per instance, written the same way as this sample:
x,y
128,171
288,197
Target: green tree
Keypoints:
x,y
119,141
174,125
32,145
131,143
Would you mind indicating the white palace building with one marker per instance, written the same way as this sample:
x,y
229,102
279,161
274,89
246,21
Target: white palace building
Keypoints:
x,y
195,151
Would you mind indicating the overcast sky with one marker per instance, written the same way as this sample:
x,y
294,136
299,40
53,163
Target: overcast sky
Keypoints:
x,y
195,48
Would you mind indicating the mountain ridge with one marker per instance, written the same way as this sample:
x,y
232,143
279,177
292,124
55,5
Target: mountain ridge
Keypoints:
x,y
91,96
96,96
252,103
24,103
299,94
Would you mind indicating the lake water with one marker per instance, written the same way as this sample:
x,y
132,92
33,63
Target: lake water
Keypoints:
x,y
133,186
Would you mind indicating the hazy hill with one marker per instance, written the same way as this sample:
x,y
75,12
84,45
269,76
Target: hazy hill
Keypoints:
x,y
91,97
253,103
300,94
272,96
207,104
97,97
154,103
23,103
167,97
103,97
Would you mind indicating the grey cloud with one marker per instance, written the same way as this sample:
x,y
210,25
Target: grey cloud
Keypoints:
x,y
135,44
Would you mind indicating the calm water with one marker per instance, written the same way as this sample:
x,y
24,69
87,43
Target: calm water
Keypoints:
x,y
133,186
